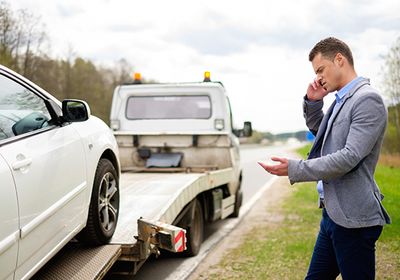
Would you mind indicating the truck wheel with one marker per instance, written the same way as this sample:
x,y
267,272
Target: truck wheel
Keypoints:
x,y
194,226
104,206
238,203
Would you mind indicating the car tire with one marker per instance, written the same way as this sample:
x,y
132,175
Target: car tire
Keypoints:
x,y
194,225
104,206
238,203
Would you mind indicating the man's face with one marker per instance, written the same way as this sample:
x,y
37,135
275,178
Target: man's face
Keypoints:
x,y
328,72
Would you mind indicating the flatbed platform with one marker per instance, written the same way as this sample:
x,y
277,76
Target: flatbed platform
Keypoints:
x,y
159,196
153,196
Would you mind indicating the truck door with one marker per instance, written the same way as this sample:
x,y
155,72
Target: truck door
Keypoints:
x,y
48,166
9,230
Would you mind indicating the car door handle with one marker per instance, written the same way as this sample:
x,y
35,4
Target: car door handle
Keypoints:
x,y
21,163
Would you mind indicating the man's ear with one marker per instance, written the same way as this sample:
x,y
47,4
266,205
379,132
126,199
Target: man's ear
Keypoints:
x,y
339,59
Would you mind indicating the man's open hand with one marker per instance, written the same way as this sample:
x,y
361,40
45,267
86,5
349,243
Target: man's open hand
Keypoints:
x,y
280,169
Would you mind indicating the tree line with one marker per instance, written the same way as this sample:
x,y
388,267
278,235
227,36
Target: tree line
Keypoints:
x,y
24,47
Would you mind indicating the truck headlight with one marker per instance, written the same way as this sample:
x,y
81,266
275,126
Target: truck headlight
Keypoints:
x,y
114,124
219,124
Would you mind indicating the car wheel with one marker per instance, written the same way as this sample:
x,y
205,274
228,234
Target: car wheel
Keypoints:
x,y
194,225
238,203
104,206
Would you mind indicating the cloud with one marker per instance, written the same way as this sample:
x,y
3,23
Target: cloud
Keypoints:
x,y
223,33
66,10
258,49
128,28
233,39
218,41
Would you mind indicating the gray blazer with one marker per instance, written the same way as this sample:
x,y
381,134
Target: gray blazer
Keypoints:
x,y
344,156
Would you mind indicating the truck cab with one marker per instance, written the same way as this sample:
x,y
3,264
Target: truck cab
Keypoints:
x,y
194,119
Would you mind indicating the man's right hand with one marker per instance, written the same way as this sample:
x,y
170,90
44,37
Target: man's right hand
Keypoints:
x,y
315,91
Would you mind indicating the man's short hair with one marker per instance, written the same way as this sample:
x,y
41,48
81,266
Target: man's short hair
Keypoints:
x,y
329,47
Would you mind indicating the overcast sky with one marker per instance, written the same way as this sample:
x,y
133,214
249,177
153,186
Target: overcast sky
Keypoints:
x,y
257,48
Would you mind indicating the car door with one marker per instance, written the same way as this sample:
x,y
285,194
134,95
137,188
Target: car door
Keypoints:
x,y
9,230
48,167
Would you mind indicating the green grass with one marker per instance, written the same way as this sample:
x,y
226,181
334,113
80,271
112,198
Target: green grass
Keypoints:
x,y
388,246
388,180
303,151
283,250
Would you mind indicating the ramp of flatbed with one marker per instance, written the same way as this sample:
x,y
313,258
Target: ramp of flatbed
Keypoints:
x,y
159,196
76,262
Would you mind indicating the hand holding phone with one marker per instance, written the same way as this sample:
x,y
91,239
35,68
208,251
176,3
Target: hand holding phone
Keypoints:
x,y
316,90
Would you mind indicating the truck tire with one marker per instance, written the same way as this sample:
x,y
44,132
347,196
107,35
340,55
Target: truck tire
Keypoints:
x,y
104,206
238,203
194,225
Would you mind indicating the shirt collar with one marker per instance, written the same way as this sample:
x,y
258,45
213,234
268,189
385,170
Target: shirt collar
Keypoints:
x,y
344,90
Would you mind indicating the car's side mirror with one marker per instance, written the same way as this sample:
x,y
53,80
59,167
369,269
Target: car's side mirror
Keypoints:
x,y
247,129
75,110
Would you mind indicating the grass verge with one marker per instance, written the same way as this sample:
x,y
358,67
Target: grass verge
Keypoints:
x,y
284,251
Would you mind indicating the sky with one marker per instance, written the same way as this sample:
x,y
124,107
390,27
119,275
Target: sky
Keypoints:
x,y
257,48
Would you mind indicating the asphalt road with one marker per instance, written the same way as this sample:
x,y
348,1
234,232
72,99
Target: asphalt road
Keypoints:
x,y
254,178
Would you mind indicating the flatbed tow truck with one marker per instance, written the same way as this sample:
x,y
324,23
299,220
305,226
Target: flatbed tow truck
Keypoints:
x,y
180,170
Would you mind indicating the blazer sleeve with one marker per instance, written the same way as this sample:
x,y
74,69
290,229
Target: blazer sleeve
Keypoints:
x,y
313,114
368,123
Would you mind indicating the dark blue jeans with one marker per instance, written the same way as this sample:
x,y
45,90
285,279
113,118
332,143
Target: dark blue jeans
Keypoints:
x,y
348,251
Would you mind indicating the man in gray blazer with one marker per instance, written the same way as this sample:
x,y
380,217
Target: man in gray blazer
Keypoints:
x,y
343,160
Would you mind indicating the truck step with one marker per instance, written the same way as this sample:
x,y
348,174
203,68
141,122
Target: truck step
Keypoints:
x,y
76,261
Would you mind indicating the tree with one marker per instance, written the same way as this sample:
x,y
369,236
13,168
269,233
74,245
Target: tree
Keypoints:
x,y
21,40
31,37
392,90
392,80
8,36
22,49
255,138
122,72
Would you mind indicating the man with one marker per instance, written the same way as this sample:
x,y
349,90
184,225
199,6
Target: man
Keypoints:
x,y
343,160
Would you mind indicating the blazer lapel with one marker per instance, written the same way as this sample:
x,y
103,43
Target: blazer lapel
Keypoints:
x,y
316,148
336,112
333,116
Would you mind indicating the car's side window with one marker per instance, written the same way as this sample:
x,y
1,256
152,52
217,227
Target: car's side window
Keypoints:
x,y
21,110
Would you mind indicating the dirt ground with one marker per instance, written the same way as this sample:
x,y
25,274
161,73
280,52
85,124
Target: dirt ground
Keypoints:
x,y
261,213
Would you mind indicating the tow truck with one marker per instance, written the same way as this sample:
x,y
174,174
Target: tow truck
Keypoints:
x,y
180,169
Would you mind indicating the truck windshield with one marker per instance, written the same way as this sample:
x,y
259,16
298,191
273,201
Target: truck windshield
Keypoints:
x,y
169,107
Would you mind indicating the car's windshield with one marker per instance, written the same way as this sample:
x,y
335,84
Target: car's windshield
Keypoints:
x,y
169,107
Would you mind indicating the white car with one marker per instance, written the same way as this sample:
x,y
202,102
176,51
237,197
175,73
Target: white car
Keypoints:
x,y
59,174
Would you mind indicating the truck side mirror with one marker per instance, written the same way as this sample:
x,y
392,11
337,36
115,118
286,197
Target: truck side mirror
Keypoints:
x,y
75,110
247,129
